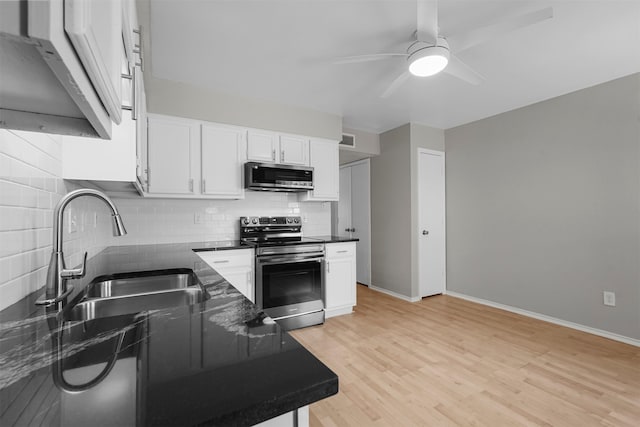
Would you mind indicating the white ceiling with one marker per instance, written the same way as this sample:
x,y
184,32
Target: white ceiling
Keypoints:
x,y
280,50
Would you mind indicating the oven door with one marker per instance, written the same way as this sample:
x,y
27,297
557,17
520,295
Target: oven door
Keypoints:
x,y
290,285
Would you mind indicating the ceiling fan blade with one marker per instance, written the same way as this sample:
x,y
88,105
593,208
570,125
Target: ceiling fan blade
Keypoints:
x,y
459,69
395,84
366,58
490,32
428,21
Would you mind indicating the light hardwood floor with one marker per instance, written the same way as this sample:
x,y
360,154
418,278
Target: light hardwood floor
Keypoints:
x,y
446,361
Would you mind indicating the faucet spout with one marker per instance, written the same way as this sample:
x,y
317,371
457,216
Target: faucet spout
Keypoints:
x,y
57,274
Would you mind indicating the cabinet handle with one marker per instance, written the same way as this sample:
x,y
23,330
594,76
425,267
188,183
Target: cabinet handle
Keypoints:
x,y
222,261
341,252
204,186
138,48
132,107
328,268
191,185
282,156
273,154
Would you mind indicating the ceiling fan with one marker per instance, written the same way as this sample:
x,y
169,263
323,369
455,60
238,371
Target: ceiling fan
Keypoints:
x,y
430,53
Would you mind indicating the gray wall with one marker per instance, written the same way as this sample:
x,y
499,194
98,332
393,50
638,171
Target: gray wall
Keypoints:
x,y
543,207
390,210
367,145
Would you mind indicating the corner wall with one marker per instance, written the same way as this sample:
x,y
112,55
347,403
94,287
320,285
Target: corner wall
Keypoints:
x,y
543,207
391,212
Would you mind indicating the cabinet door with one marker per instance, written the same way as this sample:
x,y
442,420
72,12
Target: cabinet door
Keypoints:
x,y
141,132
340,283
323,157
241,279
261,146
294,150
222,156
171,146
95,30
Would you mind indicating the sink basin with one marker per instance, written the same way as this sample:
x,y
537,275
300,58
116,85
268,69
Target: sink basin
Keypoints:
x,y
90,309
142,284
125,294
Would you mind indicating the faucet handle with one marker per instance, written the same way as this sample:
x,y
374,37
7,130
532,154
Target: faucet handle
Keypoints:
x,y
75,273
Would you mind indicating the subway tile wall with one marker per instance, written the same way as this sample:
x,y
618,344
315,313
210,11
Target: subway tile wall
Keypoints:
x,y
30,187
170,220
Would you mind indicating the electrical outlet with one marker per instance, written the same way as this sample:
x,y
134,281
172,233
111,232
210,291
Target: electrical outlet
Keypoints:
x,y
73,221
609,298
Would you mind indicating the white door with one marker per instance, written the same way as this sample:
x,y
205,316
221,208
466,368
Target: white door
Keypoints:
x,y
171,143
344,203
294,150
95,29
431,222
261,146
222,156
361,219
354,214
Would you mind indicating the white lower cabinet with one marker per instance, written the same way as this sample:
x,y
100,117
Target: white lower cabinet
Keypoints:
x,y
236,266
288,419
340,278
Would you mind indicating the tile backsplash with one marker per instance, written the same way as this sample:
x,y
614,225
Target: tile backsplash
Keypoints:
x,y
31,185
171,220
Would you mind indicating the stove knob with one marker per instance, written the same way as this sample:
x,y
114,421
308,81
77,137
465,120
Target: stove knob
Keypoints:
x,y
245,221
254,221
289,220
296,220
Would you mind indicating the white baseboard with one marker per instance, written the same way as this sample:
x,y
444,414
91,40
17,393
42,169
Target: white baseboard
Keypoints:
x,y
579,327
395,294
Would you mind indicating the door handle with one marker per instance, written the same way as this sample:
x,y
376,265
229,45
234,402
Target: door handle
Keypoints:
x,y
425,232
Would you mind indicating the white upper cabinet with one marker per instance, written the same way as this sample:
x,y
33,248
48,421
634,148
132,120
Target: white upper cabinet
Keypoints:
x,y
60,66
323,157
294,150
223,152
262,146
172,153
95,29
270,147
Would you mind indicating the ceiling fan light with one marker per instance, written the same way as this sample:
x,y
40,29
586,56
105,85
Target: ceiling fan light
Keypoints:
x,y
428,61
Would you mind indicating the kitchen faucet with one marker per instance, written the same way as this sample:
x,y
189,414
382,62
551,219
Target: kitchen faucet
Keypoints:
x,y
57,274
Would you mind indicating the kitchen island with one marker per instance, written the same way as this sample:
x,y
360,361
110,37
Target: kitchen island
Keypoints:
x,y
220,361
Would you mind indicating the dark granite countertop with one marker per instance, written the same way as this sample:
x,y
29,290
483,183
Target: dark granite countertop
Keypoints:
x,y
217,362
334,238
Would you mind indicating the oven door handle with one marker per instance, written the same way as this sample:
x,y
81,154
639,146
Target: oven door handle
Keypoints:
x,y
289,260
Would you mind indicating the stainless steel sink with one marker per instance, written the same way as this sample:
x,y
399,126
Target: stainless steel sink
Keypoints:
x,y
122,295
116,306
140,285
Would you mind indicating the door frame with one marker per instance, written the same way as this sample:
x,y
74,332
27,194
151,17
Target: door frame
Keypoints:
x,y
444,210
366,161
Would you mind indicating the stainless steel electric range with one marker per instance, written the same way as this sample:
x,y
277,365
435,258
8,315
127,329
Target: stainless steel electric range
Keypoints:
x,y
289,270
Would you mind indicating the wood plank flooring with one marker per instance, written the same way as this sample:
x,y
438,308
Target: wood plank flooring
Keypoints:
x,y
446,361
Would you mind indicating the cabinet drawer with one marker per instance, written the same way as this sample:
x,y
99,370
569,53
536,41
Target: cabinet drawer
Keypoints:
x,y
340,250
231,258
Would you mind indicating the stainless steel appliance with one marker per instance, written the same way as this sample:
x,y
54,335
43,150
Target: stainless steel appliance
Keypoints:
x,y
271,177
289,270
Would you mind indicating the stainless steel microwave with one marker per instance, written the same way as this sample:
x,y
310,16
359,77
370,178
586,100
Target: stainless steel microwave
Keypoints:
x,y
272,177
